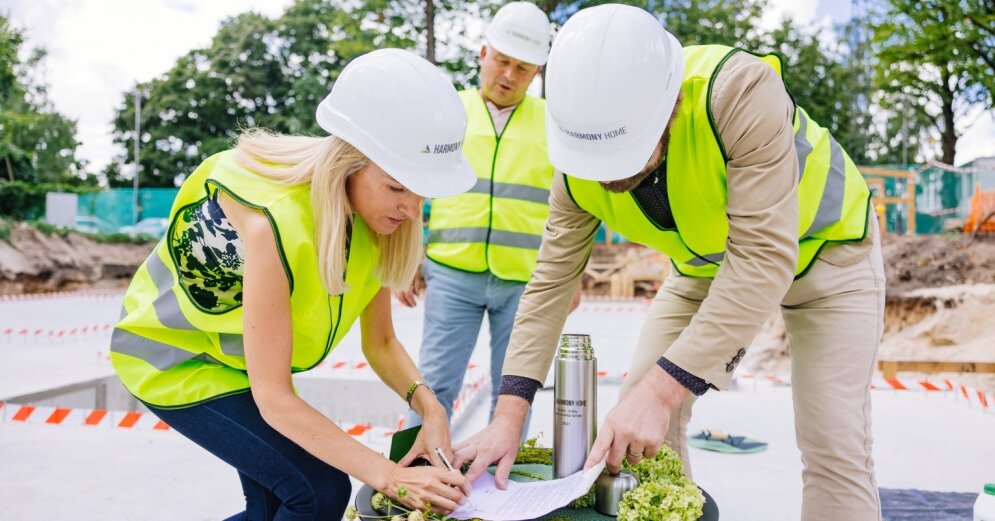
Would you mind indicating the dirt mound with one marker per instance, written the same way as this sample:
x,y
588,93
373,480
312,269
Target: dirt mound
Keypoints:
x,y
930,261
950,324
940,307
33,261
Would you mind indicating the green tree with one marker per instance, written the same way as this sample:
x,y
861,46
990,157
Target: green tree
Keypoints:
x,y
828,80
257,72
723,22
10,42
559,11
435,29
37,144
935,58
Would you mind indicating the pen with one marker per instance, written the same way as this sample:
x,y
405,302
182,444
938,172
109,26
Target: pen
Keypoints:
x,y
449,466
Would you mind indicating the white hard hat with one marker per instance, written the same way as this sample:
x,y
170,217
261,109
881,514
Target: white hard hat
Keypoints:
x,y
403,114
520,30
611,83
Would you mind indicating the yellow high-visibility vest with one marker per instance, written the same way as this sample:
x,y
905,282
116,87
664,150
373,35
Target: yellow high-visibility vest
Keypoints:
x,y
179,342
833,197
497,225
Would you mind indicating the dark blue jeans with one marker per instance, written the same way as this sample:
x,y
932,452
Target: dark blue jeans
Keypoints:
x,y
281,481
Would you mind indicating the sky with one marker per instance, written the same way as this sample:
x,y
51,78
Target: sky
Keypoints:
x,y
98,49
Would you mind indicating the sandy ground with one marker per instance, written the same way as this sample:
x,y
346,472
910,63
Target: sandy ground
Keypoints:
x,y
930,261
34,262
923,441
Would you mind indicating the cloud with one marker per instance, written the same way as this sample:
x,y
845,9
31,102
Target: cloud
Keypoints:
x,y
181,5
98,50
801,12
977,141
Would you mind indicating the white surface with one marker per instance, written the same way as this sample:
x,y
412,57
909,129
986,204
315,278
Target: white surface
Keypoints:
x,y
984,507
60,208
923,441
37,362
526,500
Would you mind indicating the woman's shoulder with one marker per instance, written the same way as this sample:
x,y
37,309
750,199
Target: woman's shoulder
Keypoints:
x,y
247,186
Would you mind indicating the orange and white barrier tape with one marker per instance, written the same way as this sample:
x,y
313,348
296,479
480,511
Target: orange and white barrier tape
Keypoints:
x,y
353,367
613,305
606,377
476,388
606,298
476,383
41,415
54,336
965,394
82,294
766,378
973,396
31,414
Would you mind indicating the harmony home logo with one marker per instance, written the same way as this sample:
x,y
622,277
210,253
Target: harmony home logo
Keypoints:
x,y
525,37
446,148
596,136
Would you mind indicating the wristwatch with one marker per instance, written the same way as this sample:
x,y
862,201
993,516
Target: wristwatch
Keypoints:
x,y
413,387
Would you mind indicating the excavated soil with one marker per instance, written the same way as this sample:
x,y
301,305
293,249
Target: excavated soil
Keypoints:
x,y
931,261
34,262
940,306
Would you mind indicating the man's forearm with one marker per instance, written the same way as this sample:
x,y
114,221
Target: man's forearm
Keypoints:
x,y
511,408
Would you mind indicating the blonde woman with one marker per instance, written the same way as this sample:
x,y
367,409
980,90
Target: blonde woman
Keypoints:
x,y
275,248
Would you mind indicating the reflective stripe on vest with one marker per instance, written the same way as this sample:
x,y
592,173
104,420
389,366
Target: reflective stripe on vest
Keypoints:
x,y
832,196
171,351
497,225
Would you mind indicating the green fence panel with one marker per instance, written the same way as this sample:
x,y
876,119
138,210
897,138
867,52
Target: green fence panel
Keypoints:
x,y
116,206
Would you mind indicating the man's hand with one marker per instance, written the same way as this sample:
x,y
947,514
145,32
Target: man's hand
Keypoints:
x,y
636,427
408,297
575,303
497,443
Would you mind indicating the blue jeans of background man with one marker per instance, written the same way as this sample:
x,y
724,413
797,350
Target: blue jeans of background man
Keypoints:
x,y
281,481
455,304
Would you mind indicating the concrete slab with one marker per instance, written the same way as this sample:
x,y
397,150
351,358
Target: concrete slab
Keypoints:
x,y
923,441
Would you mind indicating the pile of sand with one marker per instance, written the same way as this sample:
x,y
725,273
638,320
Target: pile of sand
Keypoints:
x,y
33,262
930,261
947,324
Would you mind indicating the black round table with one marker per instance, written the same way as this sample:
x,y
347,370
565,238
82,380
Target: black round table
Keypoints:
x,y
710,511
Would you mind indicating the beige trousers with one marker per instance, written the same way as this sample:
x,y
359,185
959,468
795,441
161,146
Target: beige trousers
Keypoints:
x,y
834,318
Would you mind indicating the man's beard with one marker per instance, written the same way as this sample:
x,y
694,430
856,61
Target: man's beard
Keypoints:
x,y
621,186
629,183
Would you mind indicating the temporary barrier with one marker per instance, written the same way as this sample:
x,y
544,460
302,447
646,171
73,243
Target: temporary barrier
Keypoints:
x,y
90,294
982,216
53,336
970,395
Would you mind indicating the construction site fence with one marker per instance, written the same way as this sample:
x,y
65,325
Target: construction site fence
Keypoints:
x,y
117,205
942,199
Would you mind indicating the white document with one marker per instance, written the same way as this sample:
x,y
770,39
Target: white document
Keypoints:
x,y
521,501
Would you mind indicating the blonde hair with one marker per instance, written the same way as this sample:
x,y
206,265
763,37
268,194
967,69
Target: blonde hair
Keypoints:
x,y
326,163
